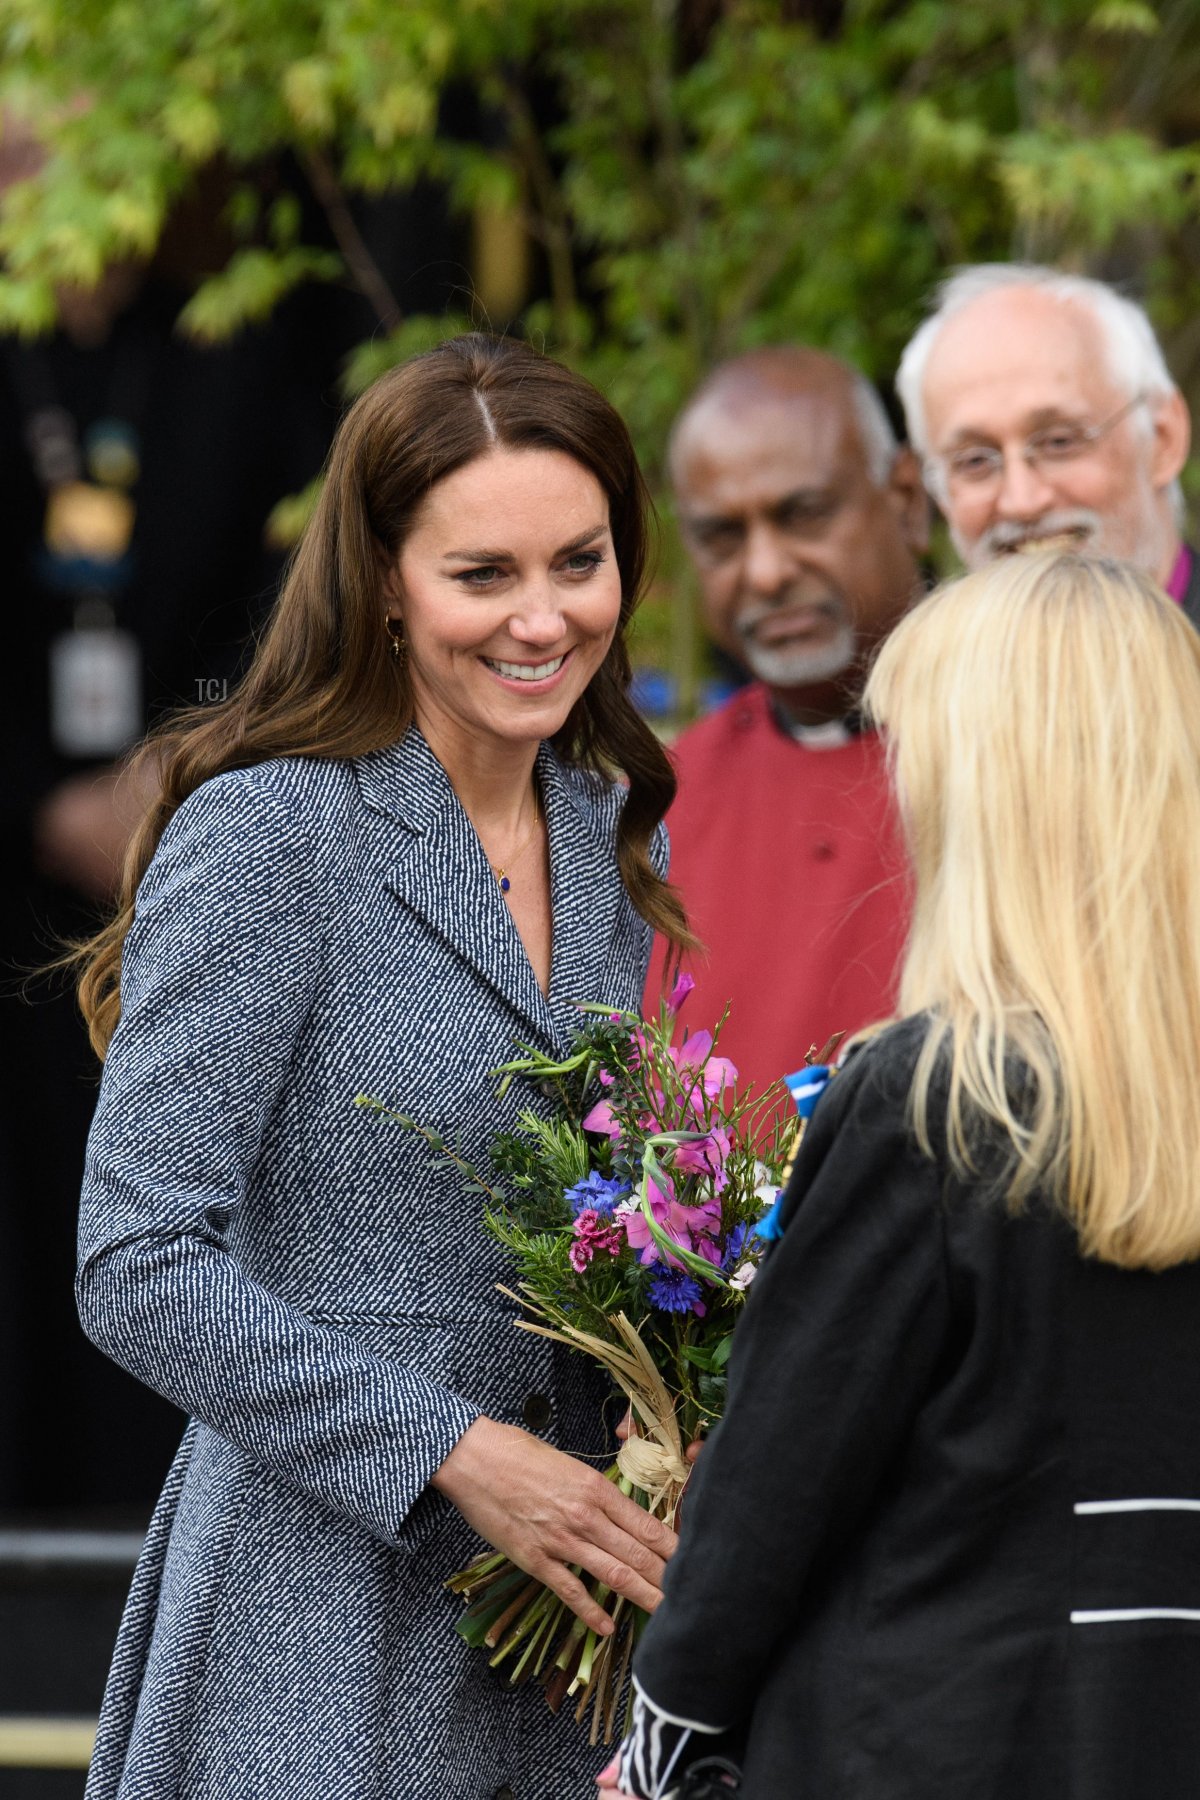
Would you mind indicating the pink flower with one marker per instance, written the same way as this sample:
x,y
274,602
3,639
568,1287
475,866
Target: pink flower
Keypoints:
x,y
679,994
593,1235
710,1250
695,1053
705,1218
706,1156
684,1225
693,1050
719,1074
601,1119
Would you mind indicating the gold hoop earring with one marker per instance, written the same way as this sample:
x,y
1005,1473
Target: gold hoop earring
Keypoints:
x,y
395,631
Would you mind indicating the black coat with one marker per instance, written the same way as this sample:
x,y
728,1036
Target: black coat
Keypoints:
x,y
891,1576
1191,596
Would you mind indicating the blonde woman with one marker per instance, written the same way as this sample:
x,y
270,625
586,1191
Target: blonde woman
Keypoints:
x,y
947,1540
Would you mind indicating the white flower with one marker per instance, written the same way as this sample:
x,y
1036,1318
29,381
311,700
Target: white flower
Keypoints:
x,y
764,1188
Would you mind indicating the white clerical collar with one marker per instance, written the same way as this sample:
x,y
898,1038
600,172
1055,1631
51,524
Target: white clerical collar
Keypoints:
x,y
830,734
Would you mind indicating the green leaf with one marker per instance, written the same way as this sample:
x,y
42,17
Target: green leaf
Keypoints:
x,y
192,121
250,287
289,516
1130,18
695,182
28,308
374,358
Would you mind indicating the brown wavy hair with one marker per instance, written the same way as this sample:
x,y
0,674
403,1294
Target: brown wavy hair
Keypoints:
x,y
322,682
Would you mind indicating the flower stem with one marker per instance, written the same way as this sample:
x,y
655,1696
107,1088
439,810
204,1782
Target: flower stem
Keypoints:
x,y
497,1629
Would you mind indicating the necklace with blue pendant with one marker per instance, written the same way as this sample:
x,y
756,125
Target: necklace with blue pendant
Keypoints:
x,y
501,874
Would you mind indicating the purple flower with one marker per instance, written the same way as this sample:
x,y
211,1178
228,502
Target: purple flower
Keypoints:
x,y
687,1226
679,993
733,1246
597,1192
694,1057
675,1291
706,1156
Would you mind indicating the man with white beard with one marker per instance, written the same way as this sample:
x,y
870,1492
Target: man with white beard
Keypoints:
x,y
805,522
1045,416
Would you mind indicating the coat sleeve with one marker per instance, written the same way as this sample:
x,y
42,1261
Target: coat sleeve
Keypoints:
x,y
220,968
835,1353
660,851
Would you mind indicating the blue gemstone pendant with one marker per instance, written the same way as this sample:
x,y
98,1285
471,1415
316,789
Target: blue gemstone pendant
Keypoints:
x,y
505,884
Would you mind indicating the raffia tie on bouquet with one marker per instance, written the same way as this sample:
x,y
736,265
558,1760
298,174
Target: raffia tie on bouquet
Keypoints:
x,y
526,1624
653,1458
652,1467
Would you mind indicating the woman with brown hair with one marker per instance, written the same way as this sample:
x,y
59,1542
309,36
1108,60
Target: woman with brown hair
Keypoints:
x,y
397,849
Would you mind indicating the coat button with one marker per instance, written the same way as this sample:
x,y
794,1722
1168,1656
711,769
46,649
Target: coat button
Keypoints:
x,y
536,1411
504,1793
823,850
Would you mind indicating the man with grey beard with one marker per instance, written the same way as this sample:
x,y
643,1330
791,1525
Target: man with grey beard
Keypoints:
x,y
1046,417
805,522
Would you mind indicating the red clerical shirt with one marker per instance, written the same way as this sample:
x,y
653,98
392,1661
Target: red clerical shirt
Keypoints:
x,y
789,860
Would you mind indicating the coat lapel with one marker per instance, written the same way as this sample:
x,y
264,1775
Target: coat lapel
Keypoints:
x,y
585,887
442,877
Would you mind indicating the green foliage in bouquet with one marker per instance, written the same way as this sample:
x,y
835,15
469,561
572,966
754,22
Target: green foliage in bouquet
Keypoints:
x,y
630,1217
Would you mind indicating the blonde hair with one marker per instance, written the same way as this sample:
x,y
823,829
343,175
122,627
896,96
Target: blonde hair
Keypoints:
x,y
1043,719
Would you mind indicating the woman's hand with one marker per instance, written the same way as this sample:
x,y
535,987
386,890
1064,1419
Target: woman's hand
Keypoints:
x,y
625,1430
547,1510
606,1781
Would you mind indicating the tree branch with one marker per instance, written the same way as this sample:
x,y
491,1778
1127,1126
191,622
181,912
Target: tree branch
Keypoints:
x,y
553,225
367,274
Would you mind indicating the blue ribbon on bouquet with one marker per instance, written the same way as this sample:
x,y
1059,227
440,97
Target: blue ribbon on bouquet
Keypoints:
x,y
806,1087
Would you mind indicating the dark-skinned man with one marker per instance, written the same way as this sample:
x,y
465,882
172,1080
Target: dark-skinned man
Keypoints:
x,y
806,523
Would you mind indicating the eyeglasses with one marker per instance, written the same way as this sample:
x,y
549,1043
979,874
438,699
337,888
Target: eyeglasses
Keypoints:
x,y
978,466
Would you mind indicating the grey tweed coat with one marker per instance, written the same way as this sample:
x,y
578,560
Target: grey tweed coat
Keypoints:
x,y
299,1277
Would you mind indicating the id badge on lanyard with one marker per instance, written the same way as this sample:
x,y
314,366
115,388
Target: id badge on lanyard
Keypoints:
x,y
95,690
96,667
95,674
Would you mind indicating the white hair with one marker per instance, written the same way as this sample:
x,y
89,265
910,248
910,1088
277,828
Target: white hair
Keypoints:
x,y
874,429
1135,359
876,436
488,422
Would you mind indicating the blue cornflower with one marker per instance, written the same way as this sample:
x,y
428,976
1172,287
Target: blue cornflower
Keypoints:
x,y
734,1245
597,1191
674,1290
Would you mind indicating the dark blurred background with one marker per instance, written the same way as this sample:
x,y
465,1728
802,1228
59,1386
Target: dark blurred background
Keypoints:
x,y
206,440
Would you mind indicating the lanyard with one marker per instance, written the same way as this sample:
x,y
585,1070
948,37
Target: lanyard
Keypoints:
x,y
89,480
88,477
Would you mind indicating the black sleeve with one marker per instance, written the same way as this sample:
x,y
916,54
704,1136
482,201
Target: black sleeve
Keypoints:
x,y
659,1749
831,1363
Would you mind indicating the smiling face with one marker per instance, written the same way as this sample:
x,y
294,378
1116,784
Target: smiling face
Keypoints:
x,y
804,561
1020,364
510,595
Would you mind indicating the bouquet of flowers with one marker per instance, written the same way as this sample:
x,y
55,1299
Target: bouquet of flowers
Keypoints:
x,y
634,1218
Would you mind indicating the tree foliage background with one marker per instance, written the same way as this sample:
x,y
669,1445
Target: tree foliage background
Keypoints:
x,y
695,176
